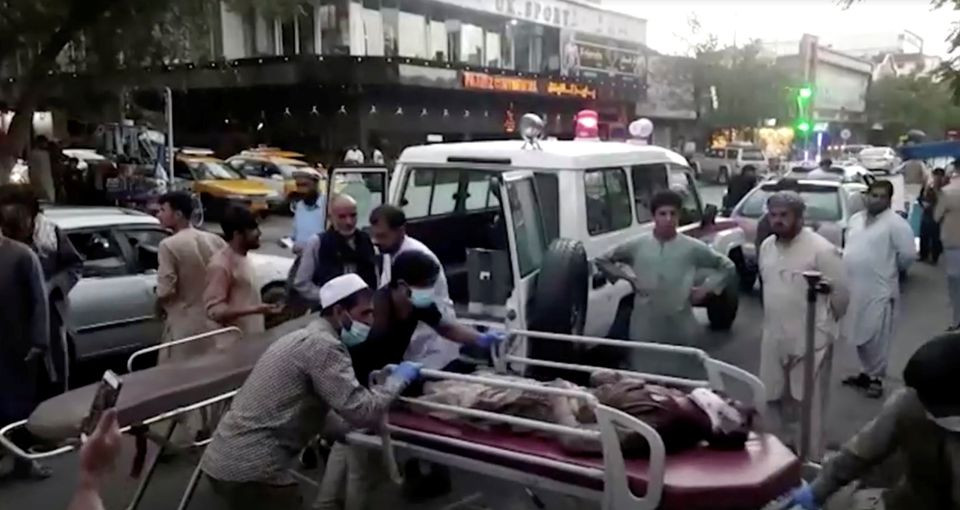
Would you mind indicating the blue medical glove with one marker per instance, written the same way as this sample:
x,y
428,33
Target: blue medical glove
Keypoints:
x,y
407,372
490,339
803,497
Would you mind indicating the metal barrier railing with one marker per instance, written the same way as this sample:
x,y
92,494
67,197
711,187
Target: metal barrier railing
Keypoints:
x,y
173,343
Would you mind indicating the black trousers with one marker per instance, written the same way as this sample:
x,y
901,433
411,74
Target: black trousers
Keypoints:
x,y
930,245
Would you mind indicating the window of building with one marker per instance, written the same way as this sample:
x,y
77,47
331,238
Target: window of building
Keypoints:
x,y
608,200
366,28
414,30
471,44
437,37
334,21
307,29
647,181
287,39
390,11
492,49
454,41
550,50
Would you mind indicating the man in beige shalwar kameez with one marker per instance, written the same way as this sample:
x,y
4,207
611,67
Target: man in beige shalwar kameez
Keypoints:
x,y
181,281
181,276
784,257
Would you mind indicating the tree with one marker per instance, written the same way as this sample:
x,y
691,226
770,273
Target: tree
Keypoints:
x,y
44,27
115,34
912,102
747,87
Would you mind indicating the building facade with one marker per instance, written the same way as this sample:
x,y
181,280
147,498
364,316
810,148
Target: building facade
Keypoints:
x,y
387,73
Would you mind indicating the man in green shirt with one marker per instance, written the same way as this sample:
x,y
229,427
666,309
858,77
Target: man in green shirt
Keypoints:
x,y
665,264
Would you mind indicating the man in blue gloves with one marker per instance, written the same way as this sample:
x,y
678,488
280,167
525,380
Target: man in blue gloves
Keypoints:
x,y
408,300
399,307
301,379
921,422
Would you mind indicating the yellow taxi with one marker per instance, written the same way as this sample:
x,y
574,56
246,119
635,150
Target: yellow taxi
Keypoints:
x,y
217,184
277,169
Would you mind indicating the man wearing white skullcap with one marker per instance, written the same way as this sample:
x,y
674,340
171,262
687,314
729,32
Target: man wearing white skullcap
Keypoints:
x,y
784,257
298,384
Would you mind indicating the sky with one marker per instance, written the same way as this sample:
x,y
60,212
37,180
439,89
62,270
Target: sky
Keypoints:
x,y
739,21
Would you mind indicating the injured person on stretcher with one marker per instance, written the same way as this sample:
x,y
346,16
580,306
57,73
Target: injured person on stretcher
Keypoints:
x,y
683,419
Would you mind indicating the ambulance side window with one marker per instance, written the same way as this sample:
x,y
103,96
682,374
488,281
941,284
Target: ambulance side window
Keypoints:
x,y
647,181
682,182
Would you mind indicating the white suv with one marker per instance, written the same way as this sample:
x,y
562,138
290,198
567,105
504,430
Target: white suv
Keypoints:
x,y
526,262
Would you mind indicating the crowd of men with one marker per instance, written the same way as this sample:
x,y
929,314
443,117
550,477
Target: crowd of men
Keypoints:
x,y
379,324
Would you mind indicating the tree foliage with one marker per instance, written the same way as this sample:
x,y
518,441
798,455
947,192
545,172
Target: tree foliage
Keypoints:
x,y
912,102
103,35
748,88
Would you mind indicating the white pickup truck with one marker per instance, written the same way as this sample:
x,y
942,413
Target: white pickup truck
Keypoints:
x,y
719,165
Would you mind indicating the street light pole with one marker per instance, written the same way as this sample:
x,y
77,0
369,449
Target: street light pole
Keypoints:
x,y
168,174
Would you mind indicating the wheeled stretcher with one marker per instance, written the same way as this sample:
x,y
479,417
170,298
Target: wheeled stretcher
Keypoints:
x,y
700,478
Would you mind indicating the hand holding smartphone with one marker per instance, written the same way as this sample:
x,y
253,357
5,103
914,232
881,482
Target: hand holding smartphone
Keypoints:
x,y
106,397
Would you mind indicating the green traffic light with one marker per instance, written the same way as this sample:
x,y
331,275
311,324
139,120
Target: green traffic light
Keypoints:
x,y
803,127
806,93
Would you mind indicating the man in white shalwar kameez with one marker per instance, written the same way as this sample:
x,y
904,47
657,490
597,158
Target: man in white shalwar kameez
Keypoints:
x,y
879,245
784,257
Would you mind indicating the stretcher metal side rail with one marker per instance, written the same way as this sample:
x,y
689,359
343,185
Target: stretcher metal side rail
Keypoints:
x,y
135,428
616,494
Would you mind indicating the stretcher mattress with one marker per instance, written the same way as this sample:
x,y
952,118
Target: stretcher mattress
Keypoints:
x,y
153,391
696,479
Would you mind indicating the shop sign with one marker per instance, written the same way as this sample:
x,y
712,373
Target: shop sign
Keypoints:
x,y
578,56
563,14
428,76
563,89
499,83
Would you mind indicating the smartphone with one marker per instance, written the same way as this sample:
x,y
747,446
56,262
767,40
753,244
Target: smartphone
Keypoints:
x,y
105,398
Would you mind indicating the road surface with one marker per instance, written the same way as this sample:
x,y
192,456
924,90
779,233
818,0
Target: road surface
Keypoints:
x,y
924,314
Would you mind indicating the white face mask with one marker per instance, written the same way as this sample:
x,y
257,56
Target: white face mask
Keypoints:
x,y
951,423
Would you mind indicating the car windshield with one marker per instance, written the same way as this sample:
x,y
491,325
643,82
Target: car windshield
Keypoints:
x,y
218,171
823,204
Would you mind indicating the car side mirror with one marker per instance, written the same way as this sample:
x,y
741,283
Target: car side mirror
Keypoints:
x,y
709,215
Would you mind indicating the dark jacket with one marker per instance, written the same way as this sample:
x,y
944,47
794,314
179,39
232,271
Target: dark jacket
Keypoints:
x,y
330,255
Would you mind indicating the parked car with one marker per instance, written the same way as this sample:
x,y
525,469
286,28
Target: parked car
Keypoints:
x,y
856,173
518,226
277,169
879,159
830,205
219,185
719,165
112,307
